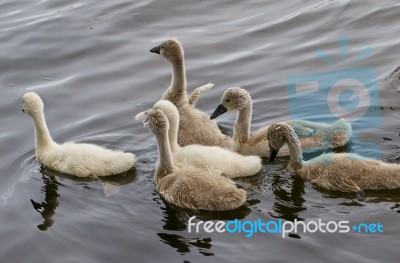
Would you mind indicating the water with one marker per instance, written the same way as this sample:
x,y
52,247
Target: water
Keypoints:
x,y
90,62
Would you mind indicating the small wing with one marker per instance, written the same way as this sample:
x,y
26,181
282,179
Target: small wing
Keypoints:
x,y
197,91
339,184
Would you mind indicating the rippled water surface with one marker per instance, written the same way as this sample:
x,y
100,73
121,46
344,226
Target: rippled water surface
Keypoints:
x,y
90,62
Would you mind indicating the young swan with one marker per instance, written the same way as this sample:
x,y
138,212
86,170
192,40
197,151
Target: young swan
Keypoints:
x,y
71,158
338,171
211,158
188,187
312,134
195,127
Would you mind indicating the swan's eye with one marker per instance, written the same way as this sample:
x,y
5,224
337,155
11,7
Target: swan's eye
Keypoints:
x,y
228,100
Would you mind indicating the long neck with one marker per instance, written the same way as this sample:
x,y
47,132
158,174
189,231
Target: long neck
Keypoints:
x,y
241,132
43,139
178,82
173,131
296,156
165,160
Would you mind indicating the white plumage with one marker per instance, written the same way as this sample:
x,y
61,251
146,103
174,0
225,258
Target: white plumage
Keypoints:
x,y
72,158
212,158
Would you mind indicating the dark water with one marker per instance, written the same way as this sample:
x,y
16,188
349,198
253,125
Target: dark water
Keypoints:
x,y
89,61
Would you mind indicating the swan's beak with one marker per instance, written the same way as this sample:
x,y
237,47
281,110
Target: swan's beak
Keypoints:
x,y
155,50
143,117
218,111
23,110
140,116
272,154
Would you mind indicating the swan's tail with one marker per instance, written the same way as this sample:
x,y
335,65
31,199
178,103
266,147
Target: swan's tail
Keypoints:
x,y
197,91
252,166
245,166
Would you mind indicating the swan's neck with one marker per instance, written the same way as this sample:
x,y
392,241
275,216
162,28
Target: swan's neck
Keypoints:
x,y
296,156
165,164
241,132
178,82
43,139
173,132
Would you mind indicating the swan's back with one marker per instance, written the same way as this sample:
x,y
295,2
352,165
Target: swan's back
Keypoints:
x,y
86,159
217,159
195,127
196,189
335,171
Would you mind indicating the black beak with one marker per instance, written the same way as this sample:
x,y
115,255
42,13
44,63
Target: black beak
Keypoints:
x,y
155,50
23,110
272,154
218,111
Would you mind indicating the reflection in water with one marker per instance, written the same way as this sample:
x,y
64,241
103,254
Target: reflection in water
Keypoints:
x,y
50,189
175,219
289,197
396,208
47,208
389,196
182,245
